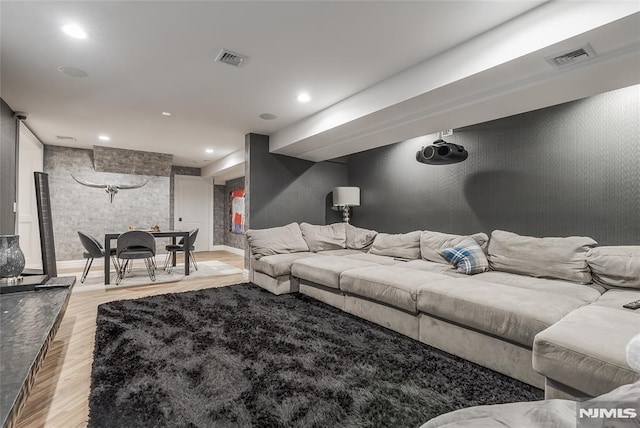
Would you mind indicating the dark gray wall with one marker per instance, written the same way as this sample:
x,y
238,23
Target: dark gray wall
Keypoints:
x,y
571,169
285,189
8,150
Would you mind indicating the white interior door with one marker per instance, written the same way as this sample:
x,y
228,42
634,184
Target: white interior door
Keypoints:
x,y
193,208
30,159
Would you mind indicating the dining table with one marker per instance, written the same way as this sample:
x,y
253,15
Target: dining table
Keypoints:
x,y
173,234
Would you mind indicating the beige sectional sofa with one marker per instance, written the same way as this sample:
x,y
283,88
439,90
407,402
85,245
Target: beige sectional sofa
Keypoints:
x,y
549,312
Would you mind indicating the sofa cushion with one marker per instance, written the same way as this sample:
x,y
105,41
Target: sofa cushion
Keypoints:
x,y
511,313
433,267
432,242
325,270
467,257
278,264
276,240
615,298
615,266
405,245
586,349
343,252
560,258
555,413
320,238
381,260
393,286
586,292
526,414
359,238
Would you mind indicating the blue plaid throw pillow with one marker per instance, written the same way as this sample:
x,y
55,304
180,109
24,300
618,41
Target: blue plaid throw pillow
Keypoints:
x,y
467,257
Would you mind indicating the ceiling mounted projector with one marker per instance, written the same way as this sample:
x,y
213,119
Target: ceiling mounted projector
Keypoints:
x,y
441,153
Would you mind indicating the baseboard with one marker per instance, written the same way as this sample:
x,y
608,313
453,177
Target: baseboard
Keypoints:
x,y
228,249
69,264
79,264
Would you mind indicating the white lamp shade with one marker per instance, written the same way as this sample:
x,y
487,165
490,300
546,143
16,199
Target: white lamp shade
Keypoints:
x,y
346,196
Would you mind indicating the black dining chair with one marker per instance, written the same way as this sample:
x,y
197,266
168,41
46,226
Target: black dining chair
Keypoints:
x,y
136,245
172,251
94,249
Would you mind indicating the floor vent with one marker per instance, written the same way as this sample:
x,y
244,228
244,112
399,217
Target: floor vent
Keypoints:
x,y
231,58
564,59
65,138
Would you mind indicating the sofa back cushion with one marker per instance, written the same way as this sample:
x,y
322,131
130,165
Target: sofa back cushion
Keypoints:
x,y
276,240
321,238
431,243
359,238
406,245
560,258
615,266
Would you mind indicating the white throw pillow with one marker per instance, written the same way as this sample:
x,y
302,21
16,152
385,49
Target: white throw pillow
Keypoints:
x,y
561,258
615,266
276,240
359,238
405,245
321,238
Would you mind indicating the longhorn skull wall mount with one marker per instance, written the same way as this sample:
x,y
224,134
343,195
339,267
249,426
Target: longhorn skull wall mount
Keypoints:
x,y
111,189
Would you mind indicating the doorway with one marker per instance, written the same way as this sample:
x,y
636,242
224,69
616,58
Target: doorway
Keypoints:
x,y
193,208
30,159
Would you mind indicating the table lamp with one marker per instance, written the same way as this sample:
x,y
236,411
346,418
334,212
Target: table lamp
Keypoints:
x,y
345,197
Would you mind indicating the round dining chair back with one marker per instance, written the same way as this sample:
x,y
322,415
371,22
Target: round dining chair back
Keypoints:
x,y
135,241
93,249
170,260
136,244
192,239
91,245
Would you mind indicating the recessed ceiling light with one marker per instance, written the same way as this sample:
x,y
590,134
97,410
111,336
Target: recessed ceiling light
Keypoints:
x,y
166,113
74,31
209,150
304,97
268,116
104,137
73,72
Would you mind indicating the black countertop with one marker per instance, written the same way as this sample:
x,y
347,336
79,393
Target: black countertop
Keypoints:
x,y
28,322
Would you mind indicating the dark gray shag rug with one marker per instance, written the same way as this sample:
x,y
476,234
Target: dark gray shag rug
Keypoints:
x,y
240,356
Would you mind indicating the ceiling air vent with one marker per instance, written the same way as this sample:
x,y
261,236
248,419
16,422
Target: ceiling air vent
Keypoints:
x,y
564,59
231,58
65,138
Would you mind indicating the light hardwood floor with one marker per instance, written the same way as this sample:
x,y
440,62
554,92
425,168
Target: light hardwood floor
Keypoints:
x,y
59,397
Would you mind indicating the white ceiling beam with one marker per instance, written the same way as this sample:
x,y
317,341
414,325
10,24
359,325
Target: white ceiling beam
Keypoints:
x,y
429,82
229,164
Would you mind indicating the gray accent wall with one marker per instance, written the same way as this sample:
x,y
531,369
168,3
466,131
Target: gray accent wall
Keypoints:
x,y
123,161
570,169
219,213
284,189
8,175
235,240
222,222
79,208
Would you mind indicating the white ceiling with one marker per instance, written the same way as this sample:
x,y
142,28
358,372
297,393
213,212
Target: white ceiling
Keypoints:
x,y
499,73
143,58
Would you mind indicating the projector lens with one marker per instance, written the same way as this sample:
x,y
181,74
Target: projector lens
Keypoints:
x,y
443,150
429,152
